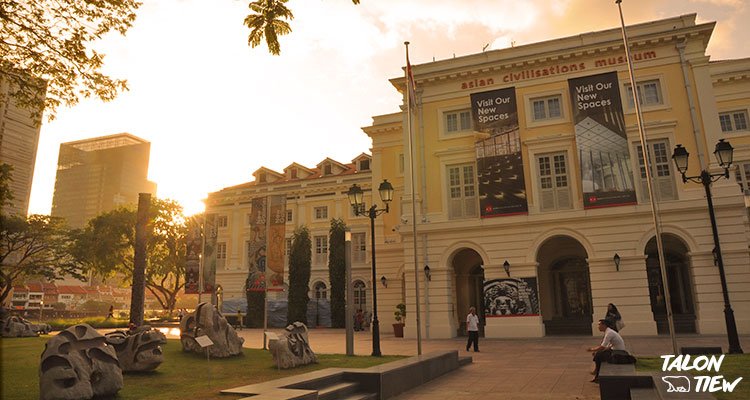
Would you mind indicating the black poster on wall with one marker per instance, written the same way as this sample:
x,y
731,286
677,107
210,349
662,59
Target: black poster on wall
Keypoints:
x,y
511,297
502,190
606,172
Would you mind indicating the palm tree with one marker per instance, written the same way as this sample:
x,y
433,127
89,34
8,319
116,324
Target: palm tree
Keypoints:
x,y
268,22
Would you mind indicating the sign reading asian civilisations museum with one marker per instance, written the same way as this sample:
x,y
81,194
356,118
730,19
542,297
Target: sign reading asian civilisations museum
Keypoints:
x,y
606,172
502,190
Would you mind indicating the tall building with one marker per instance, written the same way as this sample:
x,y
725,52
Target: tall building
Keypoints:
x,y
19,138
100,174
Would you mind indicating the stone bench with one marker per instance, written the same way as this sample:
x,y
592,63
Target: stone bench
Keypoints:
x,y
616,381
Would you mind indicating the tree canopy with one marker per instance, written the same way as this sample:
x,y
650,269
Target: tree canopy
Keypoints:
x,y
300,263
106,247
337,272
45,45
268,22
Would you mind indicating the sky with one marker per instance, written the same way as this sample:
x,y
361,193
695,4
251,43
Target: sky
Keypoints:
x,y
215,110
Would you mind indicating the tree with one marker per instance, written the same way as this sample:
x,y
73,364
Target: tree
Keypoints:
x,y
106,246
6,172
268,22
47,43
337,272
34,247
299,275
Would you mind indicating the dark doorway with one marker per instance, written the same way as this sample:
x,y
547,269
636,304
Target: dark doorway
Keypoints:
x,y
469,284
680,287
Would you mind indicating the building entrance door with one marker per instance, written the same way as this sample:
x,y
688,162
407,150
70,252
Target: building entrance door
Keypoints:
x,y
572,298
469,290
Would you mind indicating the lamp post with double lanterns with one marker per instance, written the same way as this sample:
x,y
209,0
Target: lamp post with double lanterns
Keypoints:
x,y
356,199
723,153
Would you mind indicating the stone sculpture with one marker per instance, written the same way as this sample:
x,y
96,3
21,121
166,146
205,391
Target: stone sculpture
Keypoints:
x,y
78,364
292,348
138,348
18,327
207,320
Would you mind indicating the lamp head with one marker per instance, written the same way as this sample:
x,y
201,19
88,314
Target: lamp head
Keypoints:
x,y
680,157
427,272
355,195
617,261
386,191
506,265
724,153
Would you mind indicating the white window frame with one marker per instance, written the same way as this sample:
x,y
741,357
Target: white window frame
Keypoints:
x,y
320,249
658,169
443,133
732,114
359,289
742,174
222,221
221,254
626,93
528,102
462,187
317,290
546,112
289,215
319,216
559,180
287,250
400,164
359,247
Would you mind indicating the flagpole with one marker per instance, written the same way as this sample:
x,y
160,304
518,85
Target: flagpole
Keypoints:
x,y
654,207
266,212
409,91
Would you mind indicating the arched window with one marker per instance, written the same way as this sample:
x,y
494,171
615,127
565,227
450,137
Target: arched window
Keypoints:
x,y
360,295
320,291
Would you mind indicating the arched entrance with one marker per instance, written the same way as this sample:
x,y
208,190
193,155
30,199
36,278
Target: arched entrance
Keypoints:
x,y
564,287
680,286
468,280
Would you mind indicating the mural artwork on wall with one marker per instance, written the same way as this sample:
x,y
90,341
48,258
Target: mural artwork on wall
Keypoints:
x,y
502,190
256,245
511,297
606,172
276,242
210,235
192,258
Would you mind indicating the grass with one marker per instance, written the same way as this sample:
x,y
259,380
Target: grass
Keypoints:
x,y
95,322
734,366
181,375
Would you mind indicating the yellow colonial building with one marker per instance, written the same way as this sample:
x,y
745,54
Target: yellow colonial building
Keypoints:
x,y
530,190
532,202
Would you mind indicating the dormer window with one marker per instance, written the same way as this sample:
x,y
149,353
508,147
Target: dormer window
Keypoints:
x,y
294,173
364,165
327,169
262,177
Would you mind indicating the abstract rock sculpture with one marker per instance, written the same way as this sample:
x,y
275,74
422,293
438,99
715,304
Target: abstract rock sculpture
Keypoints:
x,y
206,320
138,349
292,348
78,364
18,327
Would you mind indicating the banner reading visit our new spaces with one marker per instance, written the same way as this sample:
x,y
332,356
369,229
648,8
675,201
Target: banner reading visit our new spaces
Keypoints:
x,y
606,172
502,190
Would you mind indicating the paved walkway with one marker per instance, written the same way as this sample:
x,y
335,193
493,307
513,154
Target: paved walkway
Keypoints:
x,y
508,369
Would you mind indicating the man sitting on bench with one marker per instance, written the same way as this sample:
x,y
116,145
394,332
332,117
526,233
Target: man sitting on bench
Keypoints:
x,y
612,342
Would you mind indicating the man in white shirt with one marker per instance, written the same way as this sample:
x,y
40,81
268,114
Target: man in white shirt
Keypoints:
x,y
612,342
472,329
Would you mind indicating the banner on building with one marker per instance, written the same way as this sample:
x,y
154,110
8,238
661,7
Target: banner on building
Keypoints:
x,y
511,297
606,172
502,190
256,245
210,234
276,242
193,256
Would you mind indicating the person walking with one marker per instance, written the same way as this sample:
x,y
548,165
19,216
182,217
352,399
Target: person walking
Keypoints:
x,y
472,329
111,313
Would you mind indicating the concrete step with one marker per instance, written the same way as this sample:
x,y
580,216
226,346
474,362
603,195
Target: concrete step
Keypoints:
x,y
644,394
464,360
360,396
337,390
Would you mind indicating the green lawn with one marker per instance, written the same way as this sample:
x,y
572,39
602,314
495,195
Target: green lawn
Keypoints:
x,y
182,375
733,367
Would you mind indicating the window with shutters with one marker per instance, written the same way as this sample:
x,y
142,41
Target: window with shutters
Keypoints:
x,y
546,108
742,173
733,121
554,185
661,171
649,93
221,255
289,216
359,247
222,221
457,121
321,250
321,213
462,194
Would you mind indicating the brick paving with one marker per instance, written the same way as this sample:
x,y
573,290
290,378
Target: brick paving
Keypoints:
x,y
508,369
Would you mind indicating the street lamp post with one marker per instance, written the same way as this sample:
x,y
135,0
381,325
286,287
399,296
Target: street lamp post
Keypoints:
x,y
356,200
723,153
